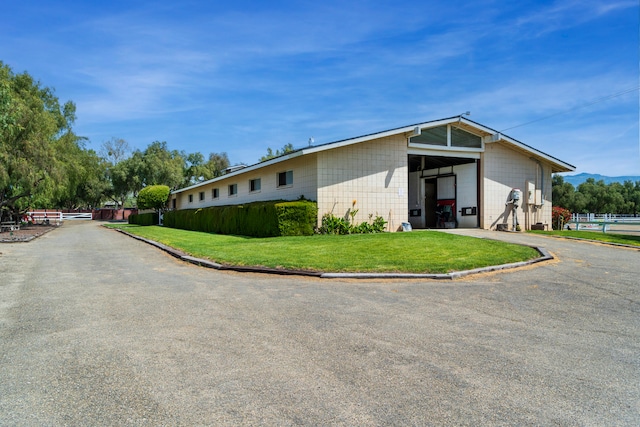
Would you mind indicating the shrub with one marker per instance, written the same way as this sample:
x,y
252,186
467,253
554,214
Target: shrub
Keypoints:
x,y
331,224
297,218
153,197
559,217
150,218
259,219
334,225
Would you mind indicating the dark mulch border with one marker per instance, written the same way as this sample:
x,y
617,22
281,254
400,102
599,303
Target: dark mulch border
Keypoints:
x,y
26,234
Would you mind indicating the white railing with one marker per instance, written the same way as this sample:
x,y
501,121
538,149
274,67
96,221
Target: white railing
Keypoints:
x,y
601,221
44,217
77,215
610,218
55,217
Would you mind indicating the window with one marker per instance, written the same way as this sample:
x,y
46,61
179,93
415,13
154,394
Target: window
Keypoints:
x,y
215,193
190,198
285,179
447,136
254,185
432,136
460,138
233,189
201,196
173,203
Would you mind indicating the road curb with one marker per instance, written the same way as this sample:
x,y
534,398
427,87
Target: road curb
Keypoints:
x,y
601,242
544,256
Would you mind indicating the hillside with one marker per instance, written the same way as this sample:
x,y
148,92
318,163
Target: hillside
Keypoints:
x,y
578,179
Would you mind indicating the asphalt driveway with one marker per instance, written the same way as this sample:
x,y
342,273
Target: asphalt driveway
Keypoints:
x,y
100,329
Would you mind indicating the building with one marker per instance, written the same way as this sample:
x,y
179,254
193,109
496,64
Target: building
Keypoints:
x,y
445,173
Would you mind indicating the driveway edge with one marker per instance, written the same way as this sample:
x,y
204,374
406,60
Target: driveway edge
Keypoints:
x,y
544,256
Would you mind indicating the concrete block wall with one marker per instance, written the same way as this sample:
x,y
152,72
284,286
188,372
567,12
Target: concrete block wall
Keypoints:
x,y
505,168
374,174
304,184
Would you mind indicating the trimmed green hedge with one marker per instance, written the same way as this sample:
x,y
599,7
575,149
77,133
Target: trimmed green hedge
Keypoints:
x,y
258,219
150,218
298,218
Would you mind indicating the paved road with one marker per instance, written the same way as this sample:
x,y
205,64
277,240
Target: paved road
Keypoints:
x,y
100,329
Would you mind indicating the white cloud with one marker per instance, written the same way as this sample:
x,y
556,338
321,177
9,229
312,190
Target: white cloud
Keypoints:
x,y
565,14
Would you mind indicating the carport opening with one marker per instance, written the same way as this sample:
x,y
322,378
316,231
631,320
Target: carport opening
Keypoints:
x,y
443,192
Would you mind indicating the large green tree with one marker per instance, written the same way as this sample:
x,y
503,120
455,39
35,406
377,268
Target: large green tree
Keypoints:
x,y
196,169
126,178
161,166
597,197
86,183
33,124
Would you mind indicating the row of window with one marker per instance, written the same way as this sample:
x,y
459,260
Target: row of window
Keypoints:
x,y
283,179
447,135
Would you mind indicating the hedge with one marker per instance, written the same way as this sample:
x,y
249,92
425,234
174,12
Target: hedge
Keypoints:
x,y
150,218
258,219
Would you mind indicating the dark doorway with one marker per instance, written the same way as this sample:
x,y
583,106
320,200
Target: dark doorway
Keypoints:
x,y
430,202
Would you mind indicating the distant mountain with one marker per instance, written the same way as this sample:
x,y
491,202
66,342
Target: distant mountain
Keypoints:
x,y
576,180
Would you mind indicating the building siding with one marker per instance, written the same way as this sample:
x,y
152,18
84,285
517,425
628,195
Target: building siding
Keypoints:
x,y
372,174
504,169
304,184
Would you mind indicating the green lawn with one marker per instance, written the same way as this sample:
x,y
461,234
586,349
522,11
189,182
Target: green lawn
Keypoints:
x,y
623,239
415,252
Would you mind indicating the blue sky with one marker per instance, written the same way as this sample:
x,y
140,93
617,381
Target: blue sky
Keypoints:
x,y
241,76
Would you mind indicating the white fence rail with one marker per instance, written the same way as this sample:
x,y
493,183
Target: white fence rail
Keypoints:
x,y
54,217
601,221
45,217
77,216
613,218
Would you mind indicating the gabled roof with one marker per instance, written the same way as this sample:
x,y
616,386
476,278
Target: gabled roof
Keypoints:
x,y
489,136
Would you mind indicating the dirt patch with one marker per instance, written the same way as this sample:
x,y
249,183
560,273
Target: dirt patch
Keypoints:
x,y
25,234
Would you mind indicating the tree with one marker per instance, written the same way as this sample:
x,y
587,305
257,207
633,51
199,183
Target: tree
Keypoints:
x,y
32,122
563,193
217,163
597,197
288,148
631,194
115,149
85,182
197,170
126,178
161,166
153,197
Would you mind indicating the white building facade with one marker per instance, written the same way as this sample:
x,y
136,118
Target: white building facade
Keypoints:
x,y
444,173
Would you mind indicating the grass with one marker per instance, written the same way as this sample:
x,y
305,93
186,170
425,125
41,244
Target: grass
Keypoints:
x,y
624,239
415,252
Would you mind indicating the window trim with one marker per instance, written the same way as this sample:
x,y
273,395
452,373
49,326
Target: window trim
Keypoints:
x,y
235,188
201,196
190,198
215,193
451,128
252,186
286,174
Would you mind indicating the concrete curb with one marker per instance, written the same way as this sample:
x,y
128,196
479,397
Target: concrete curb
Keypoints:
x,y
210,264
602,242
544,256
